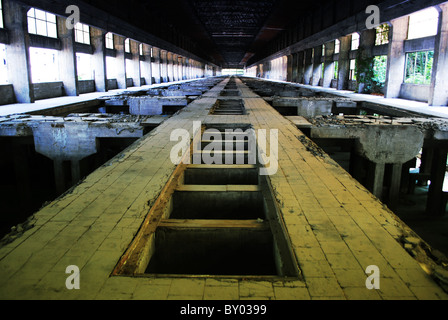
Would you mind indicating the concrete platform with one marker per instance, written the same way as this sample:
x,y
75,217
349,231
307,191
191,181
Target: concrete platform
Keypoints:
x,y
335,226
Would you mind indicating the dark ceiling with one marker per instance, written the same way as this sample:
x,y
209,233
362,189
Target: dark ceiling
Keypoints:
x,y
225,32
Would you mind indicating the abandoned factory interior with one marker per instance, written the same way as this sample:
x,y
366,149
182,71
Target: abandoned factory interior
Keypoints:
x,y
223,150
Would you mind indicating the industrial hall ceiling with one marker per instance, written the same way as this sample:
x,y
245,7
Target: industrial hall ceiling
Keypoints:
x,y
225,32
234,33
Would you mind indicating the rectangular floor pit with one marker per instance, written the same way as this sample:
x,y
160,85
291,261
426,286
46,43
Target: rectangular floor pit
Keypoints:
x,y
213,252
221,176
238,205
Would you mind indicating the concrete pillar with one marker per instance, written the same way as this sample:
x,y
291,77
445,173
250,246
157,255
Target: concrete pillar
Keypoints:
x,y
344,62
22,174
163,66
184,68
317,65
67,58
436,203
99,59
328,64
17,51
120,61
300,66
76,171
294,68
396,59
395,183
135,51
169,66
289,68
438,95
308,68
59,176
146,71
365,51
376,177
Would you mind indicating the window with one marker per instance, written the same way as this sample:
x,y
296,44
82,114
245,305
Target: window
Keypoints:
x,y
379,68
127,46
152,52
109,41
423,23
42,23
382,34
355,41
337,46
1,15
336,69
111,68
3,66
84,66
352,75
44,65
323,50
82,33
140,49
419,67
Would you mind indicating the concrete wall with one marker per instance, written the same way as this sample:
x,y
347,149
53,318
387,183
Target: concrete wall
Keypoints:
x,y
48,90
86,86
7,94
418,92
112,84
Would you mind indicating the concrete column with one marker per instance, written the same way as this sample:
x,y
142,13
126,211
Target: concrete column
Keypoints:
x,y
376,177
438,95
289,68
436,203
366,44
137,76
169,66
184,68
146,71
59,176
395,183
328,64
120,61
308,68
163,66
294,68
396,58
17,51
67,58
22,174
157,66
317,65
99,59
344,62
76,171
300,66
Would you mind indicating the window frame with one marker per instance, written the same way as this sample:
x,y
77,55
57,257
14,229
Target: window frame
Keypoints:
x,y
355,39
337,44
84,31
109,40
50,20
2,24
127,45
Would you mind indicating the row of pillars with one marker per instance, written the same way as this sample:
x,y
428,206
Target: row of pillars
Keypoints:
x,y
160,66
305,66
387,184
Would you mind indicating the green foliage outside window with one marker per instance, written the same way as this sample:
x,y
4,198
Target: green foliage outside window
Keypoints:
x,y
419,67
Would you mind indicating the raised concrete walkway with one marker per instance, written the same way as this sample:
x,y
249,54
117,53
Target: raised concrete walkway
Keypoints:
x,y
336,227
